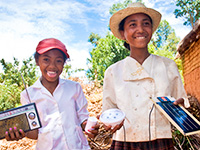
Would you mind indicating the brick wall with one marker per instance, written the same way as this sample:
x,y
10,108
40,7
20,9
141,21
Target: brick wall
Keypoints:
x,y
191,71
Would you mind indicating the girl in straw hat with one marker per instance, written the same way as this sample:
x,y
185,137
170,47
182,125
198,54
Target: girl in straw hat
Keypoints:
x,y
129,83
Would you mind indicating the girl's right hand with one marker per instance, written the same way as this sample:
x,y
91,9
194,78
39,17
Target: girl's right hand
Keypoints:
x,y
117,127
14,134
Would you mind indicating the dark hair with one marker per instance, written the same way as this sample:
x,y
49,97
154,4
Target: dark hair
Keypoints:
x,y
121,24
36,55
121,28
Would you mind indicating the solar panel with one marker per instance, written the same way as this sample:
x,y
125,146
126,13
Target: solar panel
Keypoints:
x,y
183,120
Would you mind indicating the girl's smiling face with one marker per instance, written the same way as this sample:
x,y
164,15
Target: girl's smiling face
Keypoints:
x,y
51,64
137,30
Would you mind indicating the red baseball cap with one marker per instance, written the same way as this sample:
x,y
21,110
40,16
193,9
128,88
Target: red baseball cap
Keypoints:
x,y
51,43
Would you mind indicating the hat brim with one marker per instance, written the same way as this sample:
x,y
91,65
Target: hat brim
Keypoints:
x,y
41,51
121,14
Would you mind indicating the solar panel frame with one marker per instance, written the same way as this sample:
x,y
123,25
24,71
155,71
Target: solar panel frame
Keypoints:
x,y
182,119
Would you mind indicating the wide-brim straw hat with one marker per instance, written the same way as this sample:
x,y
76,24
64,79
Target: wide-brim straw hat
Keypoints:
x,y
133,8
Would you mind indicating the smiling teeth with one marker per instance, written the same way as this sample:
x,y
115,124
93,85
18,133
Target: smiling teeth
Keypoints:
x,y
140,37
51,73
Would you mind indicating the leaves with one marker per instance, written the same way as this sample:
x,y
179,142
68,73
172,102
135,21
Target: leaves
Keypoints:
x,y
108,51
189,10
119,6
11,81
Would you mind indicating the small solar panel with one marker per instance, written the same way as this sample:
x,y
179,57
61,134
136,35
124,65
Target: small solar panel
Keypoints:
x,y
183,120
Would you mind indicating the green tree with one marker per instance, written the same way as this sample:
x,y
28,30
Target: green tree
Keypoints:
x,y
108,51
11,81
115,7
165,36
189,10
164,43
68,71
94,38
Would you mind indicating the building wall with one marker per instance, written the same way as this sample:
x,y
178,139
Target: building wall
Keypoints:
x,y
191,71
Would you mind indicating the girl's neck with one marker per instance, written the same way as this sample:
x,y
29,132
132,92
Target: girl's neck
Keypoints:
x,y
50,86
139,54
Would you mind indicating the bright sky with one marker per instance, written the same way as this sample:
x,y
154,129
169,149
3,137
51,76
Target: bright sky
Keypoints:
x,y
24,23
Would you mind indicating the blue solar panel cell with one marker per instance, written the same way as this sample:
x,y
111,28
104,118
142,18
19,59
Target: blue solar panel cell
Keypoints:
x,y
178,116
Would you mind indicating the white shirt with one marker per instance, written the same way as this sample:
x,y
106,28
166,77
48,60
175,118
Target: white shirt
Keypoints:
x,y
129,86
61,115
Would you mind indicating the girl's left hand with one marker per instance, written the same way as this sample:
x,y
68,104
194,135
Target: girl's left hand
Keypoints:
x,y
179,101
14,134
94,132
117,127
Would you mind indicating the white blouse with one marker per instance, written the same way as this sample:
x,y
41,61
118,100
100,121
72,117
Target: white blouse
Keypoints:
x,y
61,115
129,86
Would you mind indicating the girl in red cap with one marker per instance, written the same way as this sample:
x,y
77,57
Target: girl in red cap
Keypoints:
x,y
61,103
130,83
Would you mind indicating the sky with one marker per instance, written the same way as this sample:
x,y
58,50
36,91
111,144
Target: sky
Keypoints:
x,y
24,23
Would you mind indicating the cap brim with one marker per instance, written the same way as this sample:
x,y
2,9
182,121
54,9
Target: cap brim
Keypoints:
x,y
41,51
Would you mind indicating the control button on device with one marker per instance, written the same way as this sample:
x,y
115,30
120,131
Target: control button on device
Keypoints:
x,y
31,115
34,123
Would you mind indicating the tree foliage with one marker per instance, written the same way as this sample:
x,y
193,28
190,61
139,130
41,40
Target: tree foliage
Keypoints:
x,y
164,43
116,7
165,37
94,38
189,10
108,51
11,81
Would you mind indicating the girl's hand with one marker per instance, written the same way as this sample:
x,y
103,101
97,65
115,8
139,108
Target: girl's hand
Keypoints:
x,y
91,133
94,132
179,101
117,127
14,134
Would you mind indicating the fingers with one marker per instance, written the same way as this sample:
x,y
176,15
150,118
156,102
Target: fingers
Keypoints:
x,y
117,127
17,134
22,133
7,136
96,126
14,134
107,127
179,101
92,133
